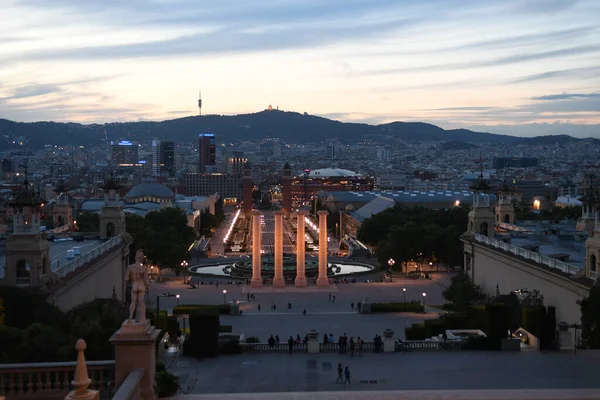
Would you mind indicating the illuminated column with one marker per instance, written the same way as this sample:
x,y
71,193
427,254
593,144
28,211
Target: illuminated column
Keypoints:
x,y
278,280
322,280
256,281
300,250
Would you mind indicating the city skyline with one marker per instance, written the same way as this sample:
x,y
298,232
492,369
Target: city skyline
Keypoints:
x,y
486,66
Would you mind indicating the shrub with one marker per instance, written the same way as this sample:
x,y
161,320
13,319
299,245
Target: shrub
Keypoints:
x,y
252,339
396,307
434,327
477,343
167,384
225,329
533,320
222,309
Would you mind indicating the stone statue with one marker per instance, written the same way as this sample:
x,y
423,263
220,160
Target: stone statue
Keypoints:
x,y
140,285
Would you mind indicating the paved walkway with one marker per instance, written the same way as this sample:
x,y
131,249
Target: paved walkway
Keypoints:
x,y
433,370
521,394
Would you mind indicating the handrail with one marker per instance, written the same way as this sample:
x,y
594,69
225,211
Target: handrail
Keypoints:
x,y
529,255
89,256
130,388
33,380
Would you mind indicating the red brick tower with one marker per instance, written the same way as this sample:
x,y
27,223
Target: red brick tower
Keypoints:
x,y
248,186
286,181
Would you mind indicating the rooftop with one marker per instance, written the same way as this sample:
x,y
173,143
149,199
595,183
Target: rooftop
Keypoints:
x,y
331,172
551,239
408,196
149,189
58,252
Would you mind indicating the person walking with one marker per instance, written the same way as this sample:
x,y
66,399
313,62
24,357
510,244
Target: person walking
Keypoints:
x,y
329,296
340,377
259,308
352,305
290,345
289,305
347,375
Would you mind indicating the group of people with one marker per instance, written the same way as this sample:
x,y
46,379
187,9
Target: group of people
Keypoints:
x,y
345,344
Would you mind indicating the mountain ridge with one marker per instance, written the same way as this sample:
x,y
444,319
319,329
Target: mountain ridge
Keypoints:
x,y
286,125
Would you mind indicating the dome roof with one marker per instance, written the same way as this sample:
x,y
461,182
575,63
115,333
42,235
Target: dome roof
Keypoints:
x,y
149,189
331,172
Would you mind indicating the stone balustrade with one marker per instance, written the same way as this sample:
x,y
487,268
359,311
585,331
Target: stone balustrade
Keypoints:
x,y
51,380
278,348
131,387
529,255
85,258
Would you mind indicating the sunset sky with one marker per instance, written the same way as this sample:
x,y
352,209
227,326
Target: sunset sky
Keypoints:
x,y
463,63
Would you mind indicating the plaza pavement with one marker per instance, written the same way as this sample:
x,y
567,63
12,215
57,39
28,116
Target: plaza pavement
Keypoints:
x,y
426,370
323,315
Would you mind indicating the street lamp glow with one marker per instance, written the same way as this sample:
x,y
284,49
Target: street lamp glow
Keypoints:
x,y
424,294
225,292
177,296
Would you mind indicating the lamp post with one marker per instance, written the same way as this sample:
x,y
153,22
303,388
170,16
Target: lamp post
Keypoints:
x,y
404,293
391,263
184,264
224,296
430,265
177,297
424,295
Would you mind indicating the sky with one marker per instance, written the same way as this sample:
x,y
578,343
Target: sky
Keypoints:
x,y
528,67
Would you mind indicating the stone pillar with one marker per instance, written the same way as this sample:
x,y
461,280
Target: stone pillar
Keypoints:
x,y
278,280
300,250
256,281
389,344
322,280
81,380
135,348
313,345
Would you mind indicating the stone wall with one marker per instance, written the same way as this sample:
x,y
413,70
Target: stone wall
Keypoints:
x,y
491,267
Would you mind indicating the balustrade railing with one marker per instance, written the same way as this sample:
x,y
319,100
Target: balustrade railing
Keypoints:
x,y
23,281
277,348
130,388
529,255
85,258
52,380
334,347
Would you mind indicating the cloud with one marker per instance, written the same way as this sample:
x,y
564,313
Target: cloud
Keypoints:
x,y
572,72
33,91
566,96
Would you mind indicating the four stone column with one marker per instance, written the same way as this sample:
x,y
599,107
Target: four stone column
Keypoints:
x,y
300,250
256,281
278,280
322,280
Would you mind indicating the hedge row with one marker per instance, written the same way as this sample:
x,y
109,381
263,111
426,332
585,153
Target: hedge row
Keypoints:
x,y
221,309
396,307
429,328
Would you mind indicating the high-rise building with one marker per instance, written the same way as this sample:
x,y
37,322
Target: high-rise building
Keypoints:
x,y
124,153
330,151
156,157
167,154
207,151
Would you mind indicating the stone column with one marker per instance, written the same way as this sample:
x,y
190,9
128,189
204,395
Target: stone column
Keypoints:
x,y
256,281
278,280
300,250
135,348
322,280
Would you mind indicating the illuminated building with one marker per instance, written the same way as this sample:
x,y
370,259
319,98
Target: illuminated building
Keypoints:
x,y
207,151
124,153
306,186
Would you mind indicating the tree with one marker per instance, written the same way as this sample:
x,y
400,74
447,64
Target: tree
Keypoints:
x,y
533,299
462,292
208,222
219,210
167,237
88,222
136,226
590,318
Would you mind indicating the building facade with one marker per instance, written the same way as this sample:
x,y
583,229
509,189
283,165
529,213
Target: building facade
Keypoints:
x,y
207,151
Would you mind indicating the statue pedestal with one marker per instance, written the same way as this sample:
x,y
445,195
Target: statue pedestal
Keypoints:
x,y
135,347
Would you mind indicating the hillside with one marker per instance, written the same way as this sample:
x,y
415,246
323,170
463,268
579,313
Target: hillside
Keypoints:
x,y
288,126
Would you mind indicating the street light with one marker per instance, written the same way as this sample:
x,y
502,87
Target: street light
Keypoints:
x,y
177,297
391,262
404,292
424,295
224,296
